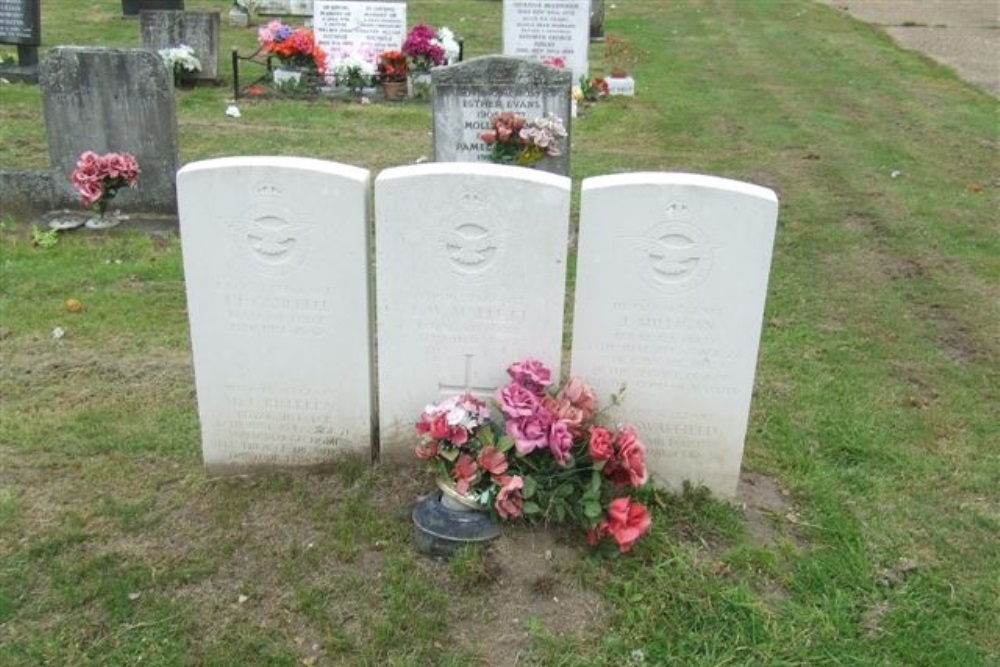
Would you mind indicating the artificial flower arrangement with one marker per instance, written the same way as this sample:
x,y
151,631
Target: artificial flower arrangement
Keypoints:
x,y
354,68
392,65
515,140
426,47
539,455
99,177
180,60
591,91
621,56
294,47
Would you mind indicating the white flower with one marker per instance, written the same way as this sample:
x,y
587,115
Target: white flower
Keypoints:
x,y
180,57
233,111
446,40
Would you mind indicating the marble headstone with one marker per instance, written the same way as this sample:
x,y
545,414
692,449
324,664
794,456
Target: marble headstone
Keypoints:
x,y
199,30
346,26
471,274
468,94
276,267
545,29
102,100
672,276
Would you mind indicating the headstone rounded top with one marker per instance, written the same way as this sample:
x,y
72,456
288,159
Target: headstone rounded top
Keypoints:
x,y
64,67
504,70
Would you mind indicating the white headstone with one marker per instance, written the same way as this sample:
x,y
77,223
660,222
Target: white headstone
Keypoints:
x,y
276,268
671,280
546,29
349,26
285,7
471,274
469,94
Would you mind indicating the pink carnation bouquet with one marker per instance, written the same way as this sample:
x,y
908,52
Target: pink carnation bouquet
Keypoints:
x,y
99,177
537,453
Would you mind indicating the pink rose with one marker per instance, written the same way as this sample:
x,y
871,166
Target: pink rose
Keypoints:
x,y
509,502
560,443
629,466
492,461
562,409
426,451
627,522
532,374
602,444
517,401
464,472
529,433
580,396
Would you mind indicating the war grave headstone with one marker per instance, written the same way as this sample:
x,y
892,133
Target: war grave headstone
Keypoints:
x,y
21,25
470,277
199,30
103,100
672,275
134,7
350,26
469,94
276,257
546,29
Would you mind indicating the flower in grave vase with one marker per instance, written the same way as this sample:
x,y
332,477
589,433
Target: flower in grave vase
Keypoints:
x,y
354,70
182,62
293,47
517,141
97,178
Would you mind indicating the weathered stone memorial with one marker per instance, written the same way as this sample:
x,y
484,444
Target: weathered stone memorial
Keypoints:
x,y
671,280
135,7
21,24
470,276
348,25
469,94
103,100
276,270
547,29
199,30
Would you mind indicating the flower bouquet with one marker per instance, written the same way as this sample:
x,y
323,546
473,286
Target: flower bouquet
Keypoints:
x,y
181,61
392,68
293,47
99,177
537,453
515,140
354,69
427,47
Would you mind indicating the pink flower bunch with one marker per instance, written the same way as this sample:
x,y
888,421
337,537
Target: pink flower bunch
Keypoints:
x,y
542,458
423,48
555,61
98,177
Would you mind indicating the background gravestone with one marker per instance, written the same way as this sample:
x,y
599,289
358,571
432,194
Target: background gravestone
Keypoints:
x,y
471,276
597,20
103,100
468,94
199,30
543,29
276,271
21,24
672,275
341,25
134,7
285,8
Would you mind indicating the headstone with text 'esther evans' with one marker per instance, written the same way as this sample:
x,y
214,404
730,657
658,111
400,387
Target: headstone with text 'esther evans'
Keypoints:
x,y
199,30
548,29
471,277
103,100
672,274
469,94
348,26
276,271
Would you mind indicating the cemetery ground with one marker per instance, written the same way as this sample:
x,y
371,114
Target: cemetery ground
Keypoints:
x,y
868,523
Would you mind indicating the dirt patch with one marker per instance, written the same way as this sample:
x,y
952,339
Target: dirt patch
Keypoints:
x,y
766,506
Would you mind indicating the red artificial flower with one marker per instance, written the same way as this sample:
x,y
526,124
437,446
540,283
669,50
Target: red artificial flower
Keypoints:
x,y
464,472
492,461
601,446
627,522
509,502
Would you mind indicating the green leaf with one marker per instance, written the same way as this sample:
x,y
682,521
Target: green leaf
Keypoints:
x,y
592,509
529,487
487,437
559,510
531,508
505,443
449,454
564,490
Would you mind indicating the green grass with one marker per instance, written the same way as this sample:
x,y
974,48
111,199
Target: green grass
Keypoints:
x,y
875,410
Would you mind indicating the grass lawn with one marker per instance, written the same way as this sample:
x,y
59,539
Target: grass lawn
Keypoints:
x,y
870,514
